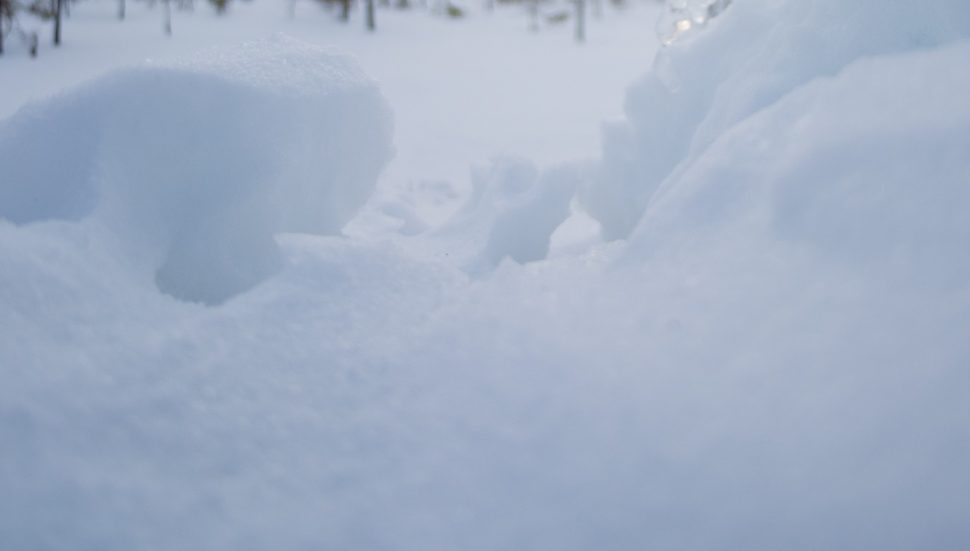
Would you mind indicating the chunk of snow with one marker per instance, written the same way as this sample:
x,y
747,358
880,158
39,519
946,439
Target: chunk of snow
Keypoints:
x,y
195,165
511,213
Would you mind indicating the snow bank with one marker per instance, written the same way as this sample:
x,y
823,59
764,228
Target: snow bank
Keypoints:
x,y
196,165
748,58
865,169
776,358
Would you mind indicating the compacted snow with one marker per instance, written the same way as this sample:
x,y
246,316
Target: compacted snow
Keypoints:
x,y
745,324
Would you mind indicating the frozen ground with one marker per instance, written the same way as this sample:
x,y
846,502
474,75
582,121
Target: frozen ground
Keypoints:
x,y
766,347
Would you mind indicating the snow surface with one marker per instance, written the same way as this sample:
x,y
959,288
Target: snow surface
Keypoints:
x,y
456,86
512,212
775,358
698,91
196,166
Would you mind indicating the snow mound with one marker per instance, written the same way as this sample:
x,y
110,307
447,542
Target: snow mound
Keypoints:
x,y
195,165
512,212
879,185
750,57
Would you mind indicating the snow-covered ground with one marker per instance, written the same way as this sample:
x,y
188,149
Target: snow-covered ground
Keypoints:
x,y
463,91
735,317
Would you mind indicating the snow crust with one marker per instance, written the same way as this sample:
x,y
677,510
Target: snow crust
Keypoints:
x,y
774,355
195,165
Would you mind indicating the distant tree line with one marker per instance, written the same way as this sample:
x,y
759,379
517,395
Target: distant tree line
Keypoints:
x,y
52,12
47,10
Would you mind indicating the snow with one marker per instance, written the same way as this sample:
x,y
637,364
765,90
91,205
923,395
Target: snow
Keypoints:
x,y
511,212
763,50
859,197
768,350
503,76
196,166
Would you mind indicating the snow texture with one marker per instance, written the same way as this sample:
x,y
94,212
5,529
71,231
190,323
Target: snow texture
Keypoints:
x,y
194,166
845,167
774,357
512,211
749,58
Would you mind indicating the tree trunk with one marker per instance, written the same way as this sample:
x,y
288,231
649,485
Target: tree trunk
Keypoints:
x,y
3,5
370,15
345,10
121,10
580,20
58,7
168,17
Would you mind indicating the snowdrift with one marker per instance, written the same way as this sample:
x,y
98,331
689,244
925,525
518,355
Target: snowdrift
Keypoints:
x,y
774,357
196,165
750,57
864,170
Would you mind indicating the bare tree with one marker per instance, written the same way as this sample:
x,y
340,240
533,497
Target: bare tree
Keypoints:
x,y
3,16
9,23
370,15
168,17
58,9
580,20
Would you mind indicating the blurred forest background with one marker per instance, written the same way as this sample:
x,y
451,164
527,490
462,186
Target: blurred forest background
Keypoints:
x,y
23,21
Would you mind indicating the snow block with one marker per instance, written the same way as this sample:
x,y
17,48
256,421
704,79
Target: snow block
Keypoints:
x,y
195,165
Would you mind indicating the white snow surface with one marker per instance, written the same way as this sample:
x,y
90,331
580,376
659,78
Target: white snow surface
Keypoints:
x,y
769,350
698,91
195,166
511,213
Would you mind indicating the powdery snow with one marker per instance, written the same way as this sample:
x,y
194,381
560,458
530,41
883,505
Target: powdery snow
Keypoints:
x,y
512,212
195,166
775,358
751,56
